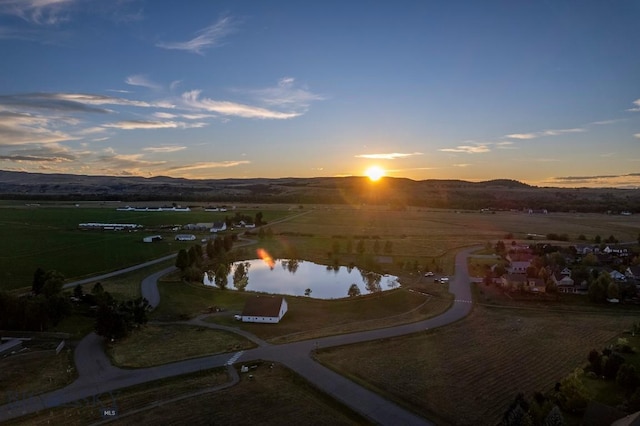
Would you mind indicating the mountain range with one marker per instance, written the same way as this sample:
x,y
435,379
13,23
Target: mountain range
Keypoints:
x,y
498,194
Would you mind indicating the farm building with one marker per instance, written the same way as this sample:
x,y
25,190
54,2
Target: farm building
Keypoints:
x,y
218,226
265,309
185,237
152,238
109,226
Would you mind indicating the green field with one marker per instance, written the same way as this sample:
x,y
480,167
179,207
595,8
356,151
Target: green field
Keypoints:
x,y
48,237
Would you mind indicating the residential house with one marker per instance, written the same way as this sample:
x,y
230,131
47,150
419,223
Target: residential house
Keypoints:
x,y
617,276
264,309
536,285
514,282
564,283
633,272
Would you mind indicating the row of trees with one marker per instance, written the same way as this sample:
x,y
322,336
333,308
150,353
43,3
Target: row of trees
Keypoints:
x,y
44,307
360,247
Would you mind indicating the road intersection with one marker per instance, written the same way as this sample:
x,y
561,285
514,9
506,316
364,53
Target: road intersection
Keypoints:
x,y
97,377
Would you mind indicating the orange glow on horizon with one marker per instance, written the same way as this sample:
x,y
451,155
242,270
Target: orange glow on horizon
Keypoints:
x,y
374,173
266,257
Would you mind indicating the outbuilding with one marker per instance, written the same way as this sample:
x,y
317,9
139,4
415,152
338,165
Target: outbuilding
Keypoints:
x,y
264,309
185,237
152,238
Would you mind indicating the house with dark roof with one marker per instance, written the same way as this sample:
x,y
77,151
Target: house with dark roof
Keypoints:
x,y
264,309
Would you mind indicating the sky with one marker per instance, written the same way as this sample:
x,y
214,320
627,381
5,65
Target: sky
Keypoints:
x,y
544,92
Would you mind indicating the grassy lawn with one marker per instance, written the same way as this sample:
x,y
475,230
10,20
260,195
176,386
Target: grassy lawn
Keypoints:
x,y
307,317
275,396
35,373
160,344
126,400
495,353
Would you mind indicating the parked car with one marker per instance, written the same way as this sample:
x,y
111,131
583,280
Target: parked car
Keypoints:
x,y
444,280
428,274
237,317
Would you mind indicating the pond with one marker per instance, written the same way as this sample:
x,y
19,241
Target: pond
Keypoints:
x,y
302,278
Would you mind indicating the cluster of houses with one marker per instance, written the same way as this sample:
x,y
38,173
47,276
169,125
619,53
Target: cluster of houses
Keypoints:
x,y
520,260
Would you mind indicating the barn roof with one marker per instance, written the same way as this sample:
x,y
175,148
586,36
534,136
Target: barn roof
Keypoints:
x,y
262,306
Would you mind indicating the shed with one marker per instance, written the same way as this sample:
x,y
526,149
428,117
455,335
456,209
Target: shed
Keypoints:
x,y
264,309
152,238
12,345
185,237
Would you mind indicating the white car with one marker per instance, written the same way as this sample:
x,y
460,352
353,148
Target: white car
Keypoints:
x,y
428,274
444,280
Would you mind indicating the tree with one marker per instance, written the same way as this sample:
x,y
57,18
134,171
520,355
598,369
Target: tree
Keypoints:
x,y
573,395
360,247
182,261
611,365
613,290
227,242
77,292
598,288
53,282
307,292
597,239
376,246
500,247
240,276
388,247
258,220
595,360
221,276
555,417
38,281
627,378
194,258
349,248
354,290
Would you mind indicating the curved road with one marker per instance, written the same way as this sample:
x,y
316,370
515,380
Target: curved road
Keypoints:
x,y
97,376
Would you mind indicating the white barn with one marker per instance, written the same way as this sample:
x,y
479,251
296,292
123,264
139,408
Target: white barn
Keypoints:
x,y
264,309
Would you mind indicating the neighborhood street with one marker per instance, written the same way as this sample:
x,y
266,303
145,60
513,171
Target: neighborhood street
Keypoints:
x,y
98,377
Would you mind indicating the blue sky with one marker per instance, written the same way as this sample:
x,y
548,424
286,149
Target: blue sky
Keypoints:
x,y
545,92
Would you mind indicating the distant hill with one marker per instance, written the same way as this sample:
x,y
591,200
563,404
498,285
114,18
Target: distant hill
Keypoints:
x,y
498,194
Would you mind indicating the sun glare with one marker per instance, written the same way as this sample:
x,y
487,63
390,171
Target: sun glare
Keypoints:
x,y
374,173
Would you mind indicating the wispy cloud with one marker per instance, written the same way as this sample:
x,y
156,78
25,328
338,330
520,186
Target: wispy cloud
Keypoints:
x,y
111,159
164,149
388,156
52,153
637,135
206,38
41,12
143,81
551,132
606,122
616,180
636,108
192,99
141,124
209,165
468,149
22,128
461,165
287,94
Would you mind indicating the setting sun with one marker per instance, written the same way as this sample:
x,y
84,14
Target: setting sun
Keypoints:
x,y
374,173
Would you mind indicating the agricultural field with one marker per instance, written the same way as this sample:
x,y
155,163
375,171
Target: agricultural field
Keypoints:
x,y
495,353
47,236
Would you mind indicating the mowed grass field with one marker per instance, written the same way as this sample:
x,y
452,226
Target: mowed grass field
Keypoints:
x,y
48,237
274,396
468,373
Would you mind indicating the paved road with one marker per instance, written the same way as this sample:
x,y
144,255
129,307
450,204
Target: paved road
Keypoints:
x,y
98,377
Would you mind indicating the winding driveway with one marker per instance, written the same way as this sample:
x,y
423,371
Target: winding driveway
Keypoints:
x,y
98,377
